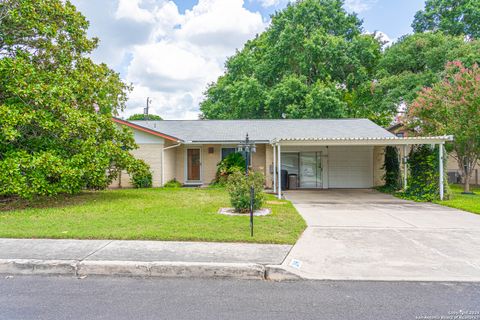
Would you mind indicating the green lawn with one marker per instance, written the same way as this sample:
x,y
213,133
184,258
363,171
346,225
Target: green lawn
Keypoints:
x,y
154,214
465,202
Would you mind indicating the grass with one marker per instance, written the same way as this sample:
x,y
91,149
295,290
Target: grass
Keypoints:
x,y
467,202
149,214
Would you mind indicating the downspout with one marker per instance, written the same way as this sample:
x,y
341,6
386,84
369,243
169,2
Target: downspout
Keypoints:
x,y
163,160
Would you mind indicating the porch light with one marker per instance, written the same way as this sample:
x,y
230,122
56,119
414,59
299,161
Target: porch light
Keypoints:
x,y
246,148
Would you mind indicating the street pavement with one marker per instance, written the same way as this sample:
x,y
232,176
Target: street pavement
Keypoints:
x,y
51,297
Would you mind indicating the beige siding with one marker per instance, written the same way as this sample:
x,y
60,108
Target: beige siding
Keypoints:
x,y
152,155
378,160
170,162
179,164
452,166
209,162
268,166
258,159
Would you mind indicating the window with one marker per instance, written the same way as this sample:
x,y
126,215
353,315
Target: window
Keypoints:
x,y
400,134
227,151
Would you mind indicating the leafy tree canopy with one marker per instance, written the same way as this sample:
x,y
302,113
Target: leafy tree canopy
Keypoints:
x,y
455,17
410,64
56,132
452,106
308,64
141,116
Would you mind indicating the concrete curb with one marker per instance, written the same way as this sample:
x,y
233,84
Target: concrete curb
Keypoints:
x,y
136,268
279,273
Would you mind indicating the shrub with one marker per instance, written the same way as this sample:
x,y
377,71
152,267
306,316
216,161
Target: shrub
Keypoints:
x,y
172,184
140,174
392,170
232,163
238,186
424,174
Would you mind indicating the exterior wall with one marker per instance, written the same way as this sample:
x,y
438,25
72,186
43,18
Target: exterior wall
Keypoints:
x,y
152,155
269,166
378,160
452,166
210,161
170,161
259,159
150,149
180,164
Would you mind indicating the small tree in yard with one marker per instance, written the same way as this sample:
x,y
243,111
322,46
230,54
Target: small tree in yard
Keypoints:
x,y
56,105
238,186
453,107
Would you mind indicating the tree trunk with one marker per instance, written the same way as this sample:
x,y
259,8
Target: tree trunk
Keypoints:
x,y
466,185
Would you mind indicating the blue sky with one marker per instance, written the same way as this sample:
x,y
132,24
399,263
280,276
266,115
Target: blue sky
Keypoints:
x,y
171,49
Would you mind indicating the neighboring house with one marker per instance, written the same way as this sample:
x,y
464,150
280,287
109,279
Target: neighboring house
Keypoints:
x,y
453,170
346,153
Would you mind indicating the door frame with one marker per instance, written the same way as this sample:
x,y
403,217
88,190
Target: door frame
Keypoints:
x,y
186,166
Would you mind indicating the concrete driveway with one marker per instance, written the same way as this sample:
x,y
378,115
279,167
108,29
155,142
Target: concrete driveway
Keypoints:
x,y
367,235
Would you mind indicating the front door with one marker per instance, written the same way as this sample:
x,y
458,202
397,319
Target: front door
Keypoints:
x,y
193,164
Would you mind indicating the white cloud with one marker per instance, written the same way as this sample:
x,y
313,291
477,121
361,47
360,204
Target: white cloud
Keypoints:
x,y
359,6
167,55
271,3
130,9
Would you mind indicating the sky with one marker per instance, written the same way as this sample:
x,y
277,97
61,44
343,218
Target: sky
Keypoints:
x,y
170,50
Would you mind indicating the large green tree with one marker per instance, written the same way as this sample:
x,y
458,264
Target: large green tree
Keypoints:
x,y
142,116
413,62
455,17
56,132
307,64
452,106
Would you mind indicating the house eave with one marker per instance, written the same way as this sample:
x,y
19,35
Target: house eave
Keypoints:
x,y
146,130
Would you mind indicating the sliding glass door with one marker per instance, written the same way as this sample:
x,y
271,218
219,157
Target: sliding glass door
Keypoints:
x,y
308,167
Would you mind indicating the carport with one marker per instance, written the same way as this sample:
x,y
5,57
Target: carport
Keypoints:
x,y
330,163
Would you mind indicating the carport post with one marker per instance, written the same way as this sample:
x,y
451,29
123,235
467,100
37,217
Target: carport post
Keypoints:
x,y
279,185
441,178
405,167
274,169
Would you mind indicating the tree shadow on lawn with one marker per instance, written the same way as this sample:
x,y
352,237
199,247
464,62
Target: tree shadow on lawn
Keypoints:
x,y
61,200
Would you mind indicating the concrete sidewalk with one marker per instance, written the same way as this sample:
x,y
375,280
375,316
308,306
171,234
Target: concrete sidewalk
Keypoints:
x,y
140,258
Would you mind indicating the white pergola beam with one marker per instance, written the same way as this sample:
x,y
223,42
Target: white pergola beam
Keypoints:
x,y
394,141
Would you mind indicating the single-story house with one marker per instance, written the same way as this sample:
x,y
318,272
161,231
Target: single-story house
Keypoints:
x,y
323,154
452,166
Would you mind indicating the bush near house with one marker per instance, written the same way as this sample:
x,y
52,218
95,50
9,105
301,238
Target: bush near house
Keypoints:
x,y
141,177
392,170
424,174
173,184
232,163
238,187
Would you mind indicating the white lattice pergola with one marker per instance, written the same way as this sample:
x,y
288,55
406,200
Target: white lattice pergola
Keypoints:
x,y
277,145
